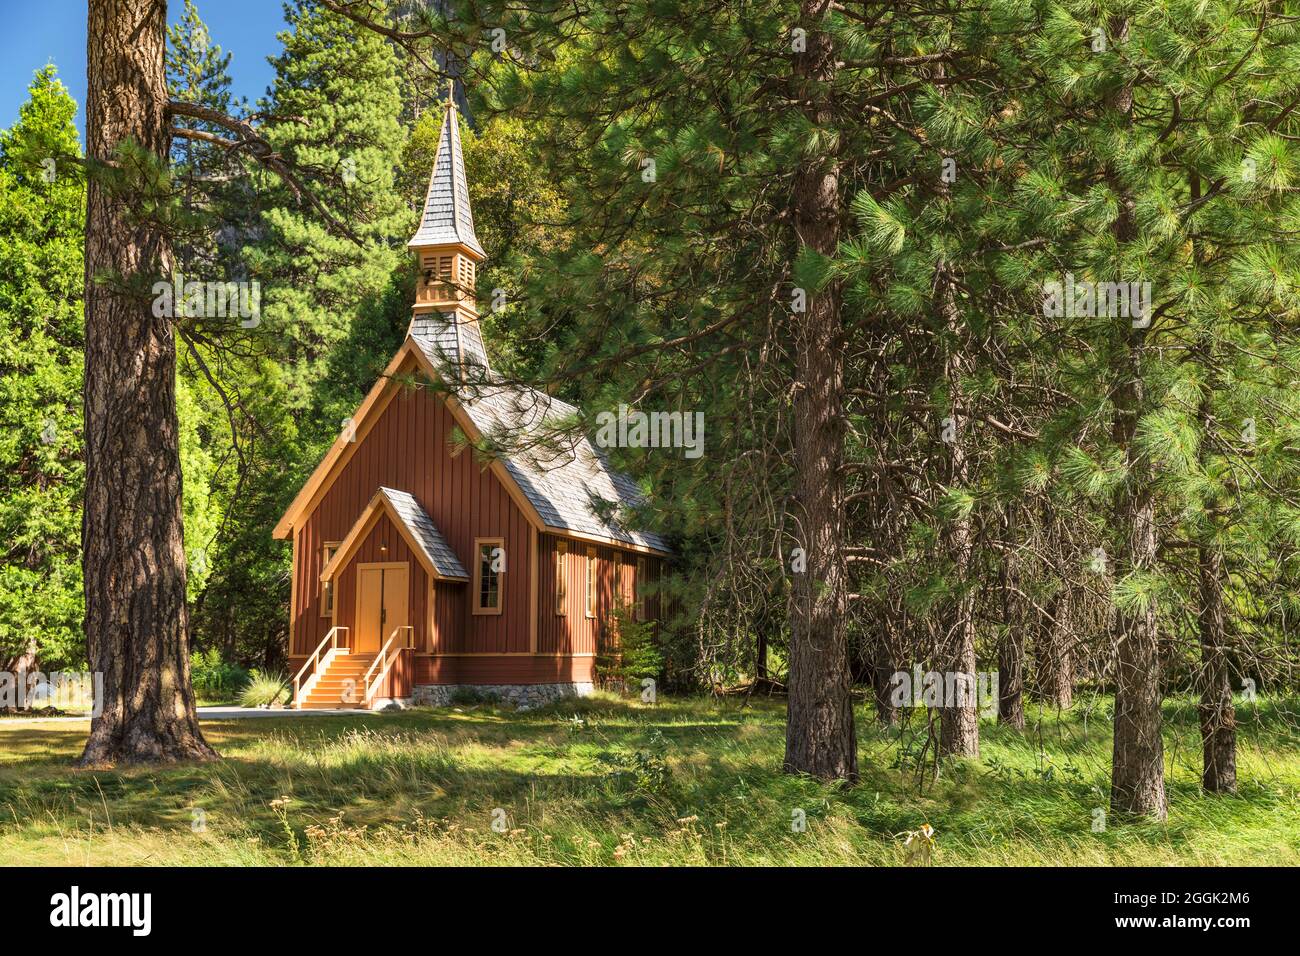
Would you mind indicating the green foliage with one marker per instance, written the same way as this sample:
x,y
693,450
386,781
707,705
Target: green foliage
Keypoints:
x,y
264,688
643,772
215,678
631,654
41,338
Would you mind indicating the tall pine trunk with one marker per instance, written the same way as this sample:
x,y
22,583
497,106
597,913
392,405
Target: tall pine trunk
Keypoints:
x,y
959,730
1137,760
133,558
1218,716
1137,763
820,738
1137,783
1011,645
1053,661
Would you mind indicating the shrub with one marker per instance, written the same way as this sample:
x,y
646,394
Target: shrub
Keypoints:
x,y
214,677
642,772
263,688
630,655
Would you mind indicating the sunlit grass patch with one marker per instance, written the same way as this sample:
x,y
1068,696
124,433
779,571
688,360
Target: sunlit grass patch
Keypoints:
x,y
605,781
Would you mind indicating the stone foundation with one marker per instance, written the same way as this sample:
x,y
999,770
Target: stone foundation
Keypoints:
x,y
521,696
391,703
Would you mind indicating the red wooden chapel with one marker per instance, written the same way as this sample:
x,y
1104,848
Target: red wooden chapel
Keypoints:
x,y
417,567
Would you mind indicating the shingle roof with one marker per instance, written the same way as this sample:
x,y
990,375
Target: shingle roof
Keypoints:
x,y
572,486
425,533
447,216
444,338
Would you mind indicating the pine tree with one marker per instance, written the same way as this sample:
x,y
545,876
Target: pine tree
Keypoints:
x,y
42,210
133,560
211,196
319,286
334,307
198,72
1142,173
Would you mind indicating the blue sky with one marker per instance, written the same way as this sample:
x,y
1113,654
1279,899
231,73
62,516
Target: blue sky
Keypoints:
x,y
54,31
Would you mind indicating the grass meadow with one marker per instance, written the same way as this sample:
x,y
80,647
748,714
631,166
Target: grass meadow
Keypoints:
x,y
604,781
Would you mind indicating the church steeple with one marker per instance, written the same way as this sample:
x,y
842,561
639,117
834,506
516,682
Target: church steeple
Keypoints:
x,y
445,244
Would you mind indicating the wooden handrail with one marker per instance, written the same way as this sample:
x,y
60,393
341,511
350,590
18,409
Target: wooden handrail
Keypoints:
x,y
314,661
382,657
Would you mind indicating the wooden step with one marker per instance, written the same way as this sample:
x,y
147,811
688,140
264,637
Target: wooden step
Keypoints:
x,y
339,699
345,674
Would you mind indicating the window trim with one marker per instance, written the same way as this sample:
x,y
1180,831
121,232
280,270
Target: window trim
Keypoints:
x,y
590,584
561,578
476,607
328,604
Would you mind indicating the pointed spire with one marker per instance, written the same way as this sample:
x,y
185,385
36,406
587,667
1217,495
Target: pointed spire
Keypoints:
x,y
447,218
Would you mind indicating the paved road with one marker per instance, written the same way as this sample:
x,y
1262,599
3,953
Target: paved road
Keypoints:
x,y
206,713
240,713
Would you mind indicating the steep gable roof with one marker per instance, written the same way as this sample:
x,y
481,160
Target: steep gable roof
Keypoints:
x,y
425,532
565,491
415,526
450,339
570,489
569,481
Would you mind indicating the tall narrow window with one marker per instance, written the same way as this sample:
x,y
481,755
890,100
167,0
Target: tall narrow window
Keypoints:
x,y
639,586
561,573
327,587
490,565
591,582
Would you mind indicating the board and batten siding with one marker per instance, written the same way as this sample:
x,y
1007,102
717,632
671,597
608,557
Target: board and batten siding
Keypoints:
x,y
573,632
408,448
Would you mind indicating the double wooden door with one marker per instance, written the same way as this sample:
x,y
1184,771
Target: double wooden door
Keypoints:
x,y
383,603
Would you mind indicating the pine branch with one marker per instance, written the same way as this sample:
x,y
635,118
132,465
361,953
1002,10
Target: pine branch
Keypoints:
x,y
408,40
248,138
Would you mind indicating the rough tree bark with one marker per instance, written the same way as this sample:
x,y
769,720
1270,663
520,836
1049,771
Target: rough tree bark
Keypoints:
x,y
1137,783
1218,716
959,729
820,737
1053,665
1053,662
1011,645
134,560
